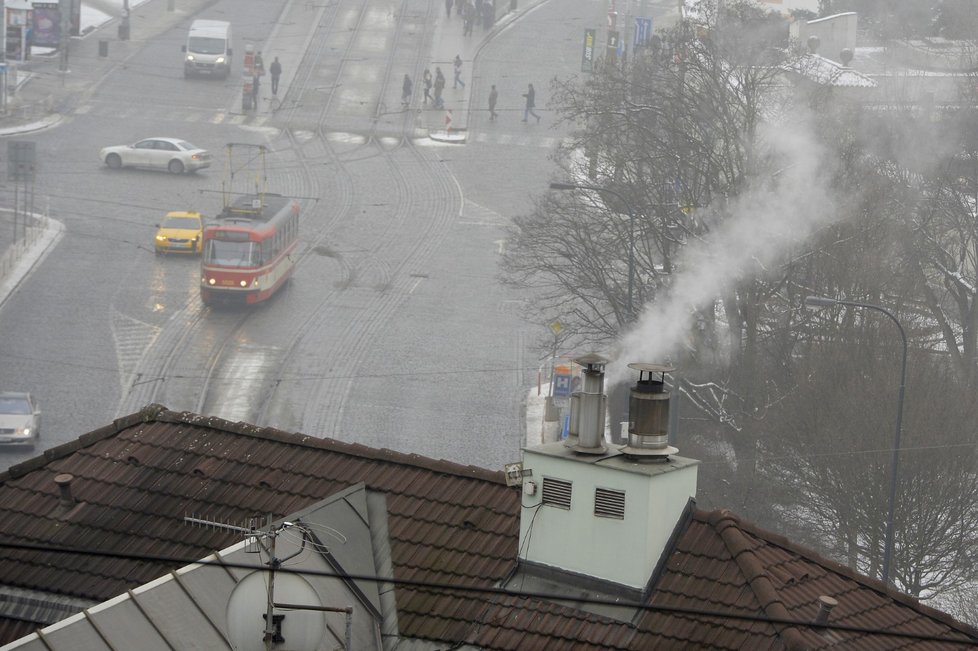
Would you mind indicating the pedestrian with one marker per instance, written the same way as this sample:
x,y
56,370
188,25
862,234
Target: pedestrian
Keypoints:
x,y
406,88
276,71
493,96
531,97
468,17
458,73
426,82
254,91
259,64
439,87
448,8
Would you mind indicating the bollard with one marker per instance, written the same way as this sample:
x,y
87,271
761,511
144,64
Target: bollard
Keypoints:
x,y
103,48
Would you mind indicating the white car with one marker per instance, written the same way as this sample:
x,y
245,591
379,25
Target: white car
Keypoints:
x,y
20,420
171,154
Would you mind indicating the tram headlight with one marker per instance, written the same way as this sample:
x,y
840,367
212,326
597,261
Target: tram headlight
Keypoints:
x,y
211,281
244,283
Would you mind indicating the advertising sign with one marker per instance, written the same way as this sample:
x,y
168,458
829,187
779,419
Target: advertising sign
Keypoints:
x,y
47,24
587,59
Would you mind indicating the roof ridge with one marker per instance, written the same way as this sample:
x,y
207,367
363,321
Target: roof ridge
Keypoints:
x,y
727,526
812,556
160,413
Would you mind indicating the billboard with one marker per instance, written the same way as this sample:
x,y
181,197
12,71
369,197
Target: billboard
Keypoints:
x,y
47,25
587,57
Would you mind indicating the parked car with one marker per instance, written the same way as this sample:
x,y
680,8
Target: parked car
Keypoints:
x,y
20,420
171,154
180,232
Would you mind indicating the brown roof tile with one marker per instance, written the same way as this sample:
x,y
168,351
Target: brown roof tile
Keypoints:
x,y
135,480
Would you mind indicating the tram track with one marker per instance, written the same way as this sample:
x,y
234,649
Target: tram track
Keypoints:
x,y
199,343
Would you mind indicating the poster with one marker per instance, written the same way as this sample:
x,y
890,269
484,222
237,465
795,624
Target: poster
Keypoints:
x,y
47,25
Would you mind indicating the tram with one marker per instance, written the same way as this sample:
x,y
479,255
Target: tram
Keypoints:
x,y
248,249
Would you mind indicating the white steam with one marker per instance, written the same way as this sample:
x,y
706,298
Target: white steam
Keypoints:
x,y
759,227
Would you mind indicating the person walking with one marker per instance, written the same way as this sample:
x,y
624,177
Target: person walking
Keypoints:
x,y
426,82
448,8
531,99
406,89
275,70
458,73
439,87
493,96
259,64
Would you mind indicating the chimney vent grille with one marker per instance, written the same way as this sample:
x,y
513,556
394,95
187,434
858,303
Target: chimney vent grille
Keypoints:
x,y
609,503
557,492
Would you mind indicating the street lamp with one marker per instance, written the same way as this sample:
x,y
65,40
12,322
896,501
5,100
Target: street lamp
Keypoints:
x,y
817,302
631,229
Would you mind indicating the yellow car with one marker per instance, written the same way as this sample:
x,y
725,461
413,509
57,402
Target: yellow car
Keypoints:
x,y
180,232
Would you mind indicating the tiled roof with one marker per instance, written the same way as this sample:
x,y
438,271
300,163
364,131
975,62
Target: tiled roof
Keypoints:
x,y
135,480
826,72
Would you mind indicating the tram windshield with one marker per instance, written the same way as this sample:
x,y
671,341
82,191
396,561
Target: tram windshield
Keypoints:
x,y
232,254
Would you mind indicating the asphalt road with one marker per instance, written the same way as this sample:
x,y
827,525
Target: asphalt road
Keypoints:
x,y
395,331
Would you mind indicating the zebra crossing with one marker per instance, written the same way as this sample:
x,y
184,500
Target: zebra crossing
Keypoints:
x,y
536,138
177,115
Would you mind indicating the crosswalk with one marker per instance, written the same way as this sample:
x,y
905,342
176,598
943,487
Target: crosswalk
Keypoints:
x,y
521,138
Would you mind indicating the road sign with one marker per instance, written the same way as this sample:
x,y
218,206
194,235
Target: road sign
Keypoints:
x,y
562,385
643,32
556,327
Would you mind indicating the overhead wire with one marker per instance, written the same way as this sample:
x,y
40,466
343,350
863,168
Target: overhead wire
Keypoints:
x,y
434,586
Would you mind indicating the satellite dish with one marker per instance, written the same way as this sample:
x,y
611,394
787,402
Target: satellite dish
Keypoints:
x,y
302,629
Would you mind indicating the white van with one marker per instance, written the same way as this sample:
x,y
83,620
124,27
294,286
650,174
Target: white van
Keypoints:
x,y
208,49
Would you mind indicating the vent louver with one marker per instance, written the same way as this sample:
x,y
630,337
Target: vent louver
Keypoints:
x,y
557,492
609,503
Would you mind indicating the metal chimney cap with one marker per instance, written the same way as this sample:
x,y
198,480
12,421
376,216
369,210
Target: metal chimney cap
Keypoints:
x,y
592,359
651,368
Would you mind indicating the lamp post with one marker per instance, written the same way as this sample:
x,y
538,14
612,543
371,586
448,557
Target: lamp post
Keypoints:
x,y
631,230
816,302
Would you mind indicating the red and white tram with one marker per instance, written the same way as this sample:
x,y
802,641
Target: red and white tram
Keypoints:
x,y
249,249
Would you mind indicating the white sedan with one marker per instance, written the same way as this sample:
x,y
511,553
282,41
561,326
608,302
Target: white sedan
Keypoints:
x,y
20,420
171,154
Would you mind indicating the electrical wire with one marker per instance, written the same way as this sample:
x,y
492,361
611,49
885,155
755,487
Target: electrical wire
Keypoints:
x,y
433,586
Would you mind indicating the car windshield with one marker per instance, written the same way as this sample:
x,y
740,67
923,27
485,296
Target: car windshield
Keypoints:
x,y
204,45
232,254
14,406
190,223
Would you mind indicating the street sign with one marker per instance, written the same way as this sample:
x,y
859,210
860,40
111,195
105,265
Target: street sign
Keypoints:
x,y
556,327
643,32
562,384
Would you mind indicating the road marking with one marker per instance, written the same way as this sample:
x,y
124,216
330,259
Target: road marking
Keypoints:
x,y
132,339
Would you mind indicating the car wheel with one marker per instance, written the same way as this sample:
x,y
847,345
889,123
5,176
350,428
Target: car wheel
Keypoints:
x,y
114,161
175,167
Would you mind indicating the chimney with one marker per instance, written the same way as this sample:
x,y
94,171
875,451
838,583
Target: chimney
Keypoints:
x,y
648,414
64,486
588,496
588,408
825,606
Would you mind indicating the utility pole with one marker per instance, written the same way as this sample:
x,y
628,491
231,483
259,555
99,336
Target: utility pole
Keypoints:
x,y
64,8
